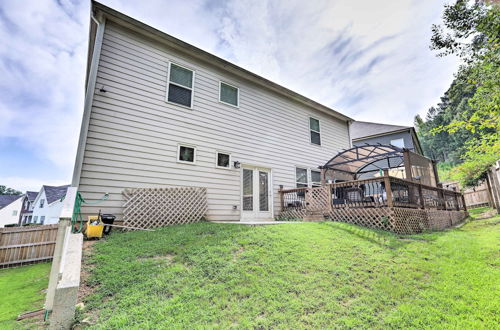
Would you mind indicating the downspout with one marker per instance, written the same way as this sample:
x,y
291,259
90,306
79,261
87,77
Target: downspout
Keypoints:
x,y
89,93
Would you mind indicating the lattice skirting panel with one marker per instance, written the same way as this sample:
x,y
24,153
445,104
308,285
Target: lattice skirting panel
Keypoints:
x,y
396,219
158,207
294,213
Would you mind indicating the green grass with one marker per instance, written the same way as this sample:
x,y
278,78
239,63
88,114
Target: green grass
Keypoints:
x,y
475,213
298,275
21,290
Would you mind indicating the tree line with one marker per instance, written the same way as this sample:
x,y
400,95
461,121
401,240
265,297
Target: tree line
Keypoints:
x,y
463,130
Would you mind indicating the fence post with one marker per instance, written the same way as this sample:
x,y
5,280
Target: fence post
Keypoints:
x,y
388,189
463,203
456,201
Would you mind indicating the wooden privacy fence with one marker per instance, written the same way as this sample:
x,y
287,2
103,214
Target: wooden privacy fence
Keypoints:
x,y
20,245
158,207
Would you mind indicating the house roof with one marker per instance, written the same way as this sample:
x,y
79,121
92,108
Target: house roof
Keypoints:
x,y
193,51
55,193
364,129
31,195
7,199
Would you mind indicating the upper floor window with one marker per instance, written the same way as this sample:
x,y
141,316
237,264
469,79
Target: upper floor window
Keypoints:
x,y
315,131
42,219
35,219
42,202
186,154
398,143
301,177
180,85
14,213
223,160
229,94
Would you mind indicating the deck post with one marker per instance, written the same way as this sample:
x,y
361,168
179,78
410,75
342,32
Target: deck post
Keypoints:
x,y
441,195
388,190
456,201
407,163
463,203
282,198
421,194
330,197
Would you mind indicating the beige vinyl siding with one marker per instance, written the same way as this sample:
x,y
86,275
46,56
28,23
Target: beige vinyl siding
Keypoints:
x,y
134,133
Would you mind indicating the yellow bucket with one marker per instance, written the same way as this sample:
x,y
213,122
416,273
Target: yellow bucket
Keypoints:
x,y
94,230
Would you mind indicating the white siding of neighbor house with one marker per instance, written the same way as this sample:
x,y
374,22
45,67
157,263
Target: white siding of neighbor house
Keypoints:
x,y
7,216
51,212
134,133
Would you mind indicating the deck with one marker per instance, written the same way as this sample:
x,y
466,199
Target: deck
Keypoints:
x,y
389,203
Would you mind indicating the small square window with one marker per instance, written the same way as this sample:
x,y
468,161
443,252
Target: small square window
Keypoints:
x,y
398,143
229,94
14,213
223,160
186,154
180,85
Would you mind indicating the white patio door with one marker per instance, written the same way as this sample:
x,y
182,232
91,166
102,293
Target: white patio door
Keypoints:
x,y
256,192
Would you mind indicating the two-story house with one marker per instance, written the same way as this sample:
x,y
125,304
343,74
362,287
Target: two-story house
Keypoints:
x,y
27,209
48,205
10,206
363,132
161,112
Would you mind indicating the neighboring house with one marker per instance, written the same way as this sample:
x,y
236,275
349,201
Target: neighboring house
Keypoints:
x,y
10,207
28,205
372,133
161,112
48,204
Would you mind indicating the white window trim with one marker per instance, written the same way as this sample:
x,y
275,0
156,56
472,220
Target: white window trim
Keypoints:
x,y
217,157
173,83
179,153
310,173
237,106
307,176
311,130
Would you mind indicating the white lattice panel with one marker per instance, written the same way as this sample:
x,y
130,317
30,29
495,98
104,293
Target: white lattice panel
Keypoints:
x,y
158,207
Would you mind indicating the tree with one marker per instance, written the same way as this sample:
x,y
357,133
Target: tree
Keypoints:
x,y
470,30
8,191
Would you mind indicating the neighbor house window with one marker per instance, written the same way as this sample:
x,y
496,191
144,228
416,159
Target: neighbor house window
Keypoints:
x,y
42,202
186,154
229,94
301,177
180,85
223,160
314,130
14,213
42,219
316,178
35,219
398,143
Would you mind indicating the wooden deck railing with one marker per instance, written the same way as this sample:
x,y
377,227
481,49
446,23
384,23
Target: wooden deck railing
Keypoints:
x,y
385,191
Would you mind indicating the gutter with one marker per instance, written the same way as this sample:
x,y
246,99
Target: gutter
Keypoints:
x,y
89,92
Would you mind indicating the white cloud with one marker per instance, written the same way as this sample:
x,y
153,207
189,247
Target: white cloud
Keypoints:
x,y
368,59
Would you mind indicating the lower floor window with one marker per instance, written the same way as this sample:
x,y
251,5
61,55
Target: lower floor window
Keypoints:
x,y
186,154
223,160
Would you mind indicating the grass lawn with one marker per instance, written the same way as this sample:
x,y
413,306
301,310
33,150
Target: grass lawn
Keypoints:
x,y
21,290
298,275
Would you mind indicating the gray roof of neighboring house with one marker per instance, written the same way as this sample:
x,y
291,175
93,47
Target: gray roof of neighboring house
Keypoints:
x,y
7,199
361,129
31,195
54,193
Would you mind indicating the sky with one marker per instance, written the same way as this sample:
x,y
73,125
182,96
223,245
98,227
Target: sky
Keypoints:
x,y
367,59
